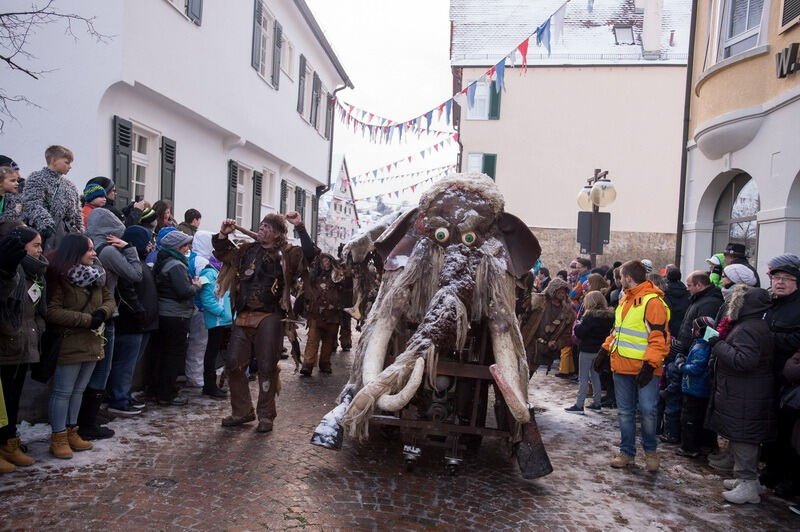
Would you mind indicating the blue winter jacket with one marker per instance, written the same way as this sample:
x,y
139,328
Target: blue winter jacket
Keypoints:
x,y
216,310
695,371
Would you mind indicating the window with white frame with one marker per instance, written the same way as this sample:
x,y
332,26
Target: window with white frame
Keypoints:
x,y
322,111
480,106
244,187
741,23
268,188
144,160
474,163
287,57
307,95
267,27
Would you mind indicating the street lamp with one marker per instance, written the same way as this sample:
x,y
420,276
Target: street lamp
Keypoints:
x,y
598,192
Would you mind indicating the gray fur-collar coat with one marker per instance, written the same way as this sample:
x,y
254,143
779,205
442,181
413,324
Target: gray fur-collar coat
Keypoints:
x,y
48,199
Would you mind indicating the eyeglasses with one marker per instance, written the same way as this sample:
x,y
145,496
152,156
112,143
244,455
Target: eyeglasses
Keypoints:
x,y
782,278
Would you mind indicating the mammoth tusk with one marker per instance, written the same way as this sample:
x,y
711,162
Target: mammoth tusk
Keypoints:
x,y
375,351
507,376
395,402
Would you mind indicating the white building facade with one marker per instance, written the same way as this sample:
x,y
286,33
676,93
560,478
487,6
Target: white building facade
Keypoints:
x,y
338,219
225,107
610,95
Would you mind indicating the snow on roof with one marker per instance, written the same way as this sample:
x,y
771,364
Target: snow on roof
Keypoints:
x,y
485,31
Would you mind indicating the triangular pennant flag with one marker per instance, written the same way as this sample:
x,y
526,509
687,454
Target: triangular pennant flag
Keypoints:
x,y
400,132
456,137
500,68
422,153
412,187
429,117
558,24
371,116
447,106
471,94
543,35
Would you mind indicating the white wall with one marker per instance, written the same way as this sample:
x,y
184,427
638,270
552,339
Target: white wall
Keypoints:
x,y
193,84
557,124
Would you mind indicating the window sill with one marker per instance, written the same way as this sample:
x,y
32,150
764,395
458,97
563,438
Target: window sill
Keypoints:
x,y
265,80
727,63
288,76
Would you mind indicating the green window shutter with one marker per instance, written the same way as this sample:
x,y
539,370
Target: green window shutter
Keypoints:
x,y
122,143
314,217
194,10
494,102
316,86
258,179
255,58
233,178
276,54
284,195
300,202
301,84
168,169
328,115
489,164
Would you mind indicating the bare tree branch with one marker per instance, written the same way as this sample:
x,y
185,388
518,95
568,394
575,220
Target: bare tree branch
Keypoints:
x,y
16,30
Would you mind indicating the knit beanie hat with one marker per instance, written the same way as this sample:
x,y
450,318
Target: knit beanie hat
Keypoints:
x,y
106,183
740,274
785,263
648,265
148,217
164,232
138,237
175,239
8,161
93,191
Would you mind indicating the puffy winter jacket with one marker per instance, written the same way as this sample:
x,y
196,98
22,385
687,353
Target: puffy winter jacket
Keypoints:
x,y
594,329
741,405
704,303
175,289
695,379
216,310
678,299
138,305
784,322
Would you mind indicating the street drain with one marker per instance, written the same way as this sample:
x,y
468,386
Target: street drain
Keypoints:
x,y
160,483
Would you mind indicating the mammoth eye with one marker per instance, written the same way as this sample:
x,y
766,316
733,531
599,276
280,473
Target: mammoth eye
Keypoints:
x,y
468,238
441,234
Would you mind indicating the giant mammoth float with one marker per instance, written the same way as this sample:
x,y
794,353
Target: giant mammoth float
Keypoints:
x,y
442,330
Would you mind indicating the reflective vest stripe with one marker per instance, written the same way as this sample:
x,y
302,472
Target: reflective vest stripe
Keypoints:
x,y
633,332
630,345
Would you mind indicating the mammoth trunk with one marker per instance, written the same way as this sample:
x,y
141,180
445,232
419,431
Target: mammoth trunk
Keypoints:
x,y
443,328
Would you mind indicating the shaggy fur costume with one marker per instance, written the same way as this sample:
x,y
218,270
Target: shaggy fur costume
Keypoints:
x,y
49,198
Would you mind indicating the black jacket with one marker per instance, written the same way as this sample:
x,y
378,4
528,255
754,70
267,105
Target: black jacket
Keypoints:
x,y
704,303
175,289
784,322
138,306
593,330
741,407
677,298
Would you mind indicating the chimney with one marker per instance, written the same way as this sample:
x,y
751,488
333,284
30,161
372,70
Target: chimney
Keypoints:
x,y
651,30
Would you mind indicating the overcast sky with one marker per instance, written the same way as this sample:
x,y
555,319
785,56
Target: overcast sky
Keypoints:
x,y
397,55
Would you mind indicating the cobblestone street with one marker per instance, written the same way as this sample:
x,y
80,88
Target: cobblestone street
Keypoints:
x,y
177,468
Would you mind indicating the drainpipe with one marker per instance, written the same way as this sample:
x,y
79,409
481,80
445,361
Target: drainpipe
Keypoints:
x,y
685,136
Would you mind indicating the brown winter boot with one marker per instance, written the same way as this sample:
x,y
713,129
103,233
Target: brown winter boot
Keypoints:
x,y
6,467
621,461
12,452
59,445
76,443
651,461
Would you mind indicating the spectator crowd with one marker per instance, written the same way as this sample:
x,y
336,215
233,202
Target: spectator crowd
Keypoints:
x,y
92,290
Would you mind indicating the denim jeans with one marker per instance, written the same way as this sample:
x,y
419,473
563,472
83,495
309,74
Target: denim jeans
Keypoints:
x,y
627,392
103,367
69,382
586,372
126,353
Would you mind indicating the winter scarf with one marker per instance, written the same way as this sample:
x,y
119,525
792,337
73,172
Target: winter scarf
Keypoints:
x,y
85,276
176,254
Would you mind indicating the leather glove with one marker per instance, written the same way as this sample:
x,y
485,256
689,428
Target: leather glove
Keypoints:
x,y
645,375
98,317
600,360
12,251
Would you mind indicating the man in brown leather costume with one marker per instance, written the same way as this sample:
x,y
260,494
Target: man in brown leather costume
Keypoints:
x,y
324,296
258,275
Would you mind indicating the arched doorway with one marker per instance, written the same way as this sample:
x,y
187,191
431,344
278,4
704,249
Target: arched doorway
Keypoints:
x,y
735,216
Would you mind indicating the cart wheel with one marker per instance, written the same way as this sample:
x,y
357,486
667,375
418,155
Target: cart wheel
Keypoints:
x,y
452,470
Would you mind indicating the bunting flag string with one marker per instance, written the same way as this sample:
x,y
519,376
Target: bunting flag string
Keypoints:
x,y
387,168
396,192
364,181
548,32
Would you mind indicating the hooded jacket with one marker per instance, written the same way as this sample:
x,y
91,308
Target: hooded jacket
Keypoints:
x,y
704,303
138,305
118,263
656,321
201,252
741,405
715,264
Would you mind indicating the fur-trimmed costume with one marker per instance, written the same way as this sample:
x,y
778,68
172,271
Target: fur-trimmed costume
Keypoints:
x,y
542,323
51,203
